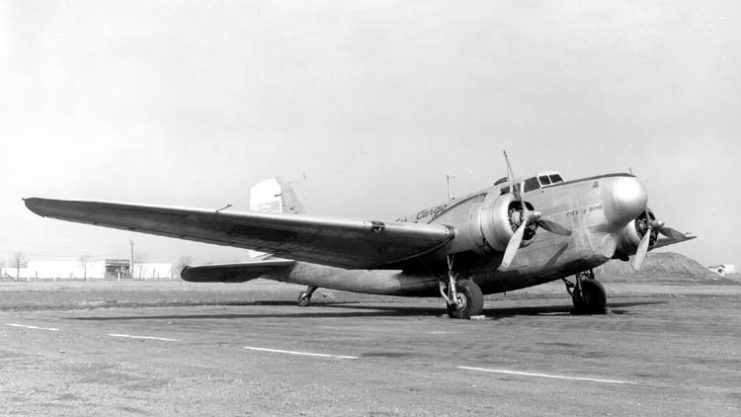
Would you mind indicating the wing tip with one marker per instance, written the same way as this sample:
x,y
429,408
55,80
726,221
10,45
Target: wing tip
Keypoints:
x,y
34,204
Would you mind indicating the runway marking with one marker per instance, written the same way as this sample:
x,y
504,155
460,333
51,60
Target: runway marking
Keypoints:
x,y
26,326
442,332
164,339
291,352
541,375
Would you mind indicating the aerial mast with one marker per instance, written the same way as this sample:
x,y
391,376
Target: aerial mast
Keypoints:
x,y
449,177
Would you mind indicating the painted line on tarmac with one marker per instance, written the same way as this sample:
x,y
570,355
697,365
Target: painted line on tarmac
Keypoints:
x,y
541,375
291,352
442,332
26,326
129,336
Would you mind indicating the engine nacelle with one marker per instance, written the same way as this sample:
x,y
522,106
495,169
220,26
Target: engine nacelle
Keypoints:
x,y
630,236
498,221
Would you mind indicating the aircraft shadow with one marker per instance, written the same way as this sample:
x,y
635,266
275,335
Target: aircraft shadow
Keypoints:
x,y
369,311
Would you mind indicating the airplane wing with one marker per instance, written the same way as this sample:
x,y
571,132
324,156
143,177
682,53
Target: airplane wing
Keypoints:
x,y
240,272
355,244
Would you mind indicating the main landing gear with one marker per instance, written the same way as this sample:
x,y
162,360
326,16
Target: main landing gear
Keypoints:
x,y
304,299
462,296
587,293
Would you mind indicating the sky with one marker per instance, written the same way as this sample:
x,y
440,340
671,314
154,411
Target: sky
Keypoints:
x,y
365,106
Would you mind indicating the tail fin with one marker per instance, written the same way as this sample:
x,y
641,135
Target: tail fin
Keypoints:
x,y
275,195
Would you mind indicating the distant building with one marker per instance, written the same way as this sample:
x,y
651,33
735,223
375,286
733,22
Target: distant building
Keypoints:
x,y
93,270
723,270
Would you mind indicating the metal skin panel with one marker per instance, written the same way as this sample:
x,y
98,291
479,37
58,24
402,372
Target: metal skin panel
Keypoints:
x,y
385,282
334,242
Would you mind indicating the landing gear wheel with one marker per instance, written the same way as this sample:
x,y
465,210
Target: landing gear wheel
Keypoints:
x,y
591,299
469,300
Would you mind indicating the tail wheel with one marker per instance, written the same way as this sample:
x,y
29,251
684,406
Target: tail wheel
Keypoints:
x,y
470,300
303,300
591,299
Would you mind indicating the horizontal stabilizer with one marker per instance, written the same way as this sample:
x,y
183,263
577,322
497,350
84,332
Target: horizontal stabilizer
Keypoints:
x,y
234,272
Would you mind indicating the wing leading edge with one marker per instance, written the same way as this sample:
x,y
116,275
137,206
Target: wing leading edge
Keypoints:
x,y
356,244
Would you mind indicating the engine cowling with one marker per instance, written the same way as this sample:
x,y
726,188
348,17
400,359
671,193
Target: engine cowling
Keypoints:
x,y
630,236
499,220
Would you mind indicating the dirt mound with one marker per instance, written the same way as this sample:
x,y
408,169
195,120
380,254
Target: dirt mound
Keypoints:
x,y
661,267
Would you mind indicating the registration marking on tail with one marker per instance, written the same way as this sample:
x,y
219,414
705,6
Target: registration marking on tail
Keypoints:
x,y
26,326
542,375
129,336
291,352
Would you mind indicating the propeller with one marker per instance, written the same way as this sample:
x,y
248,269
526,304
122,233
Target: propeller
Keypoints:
x,y
651,226
642,250
527,218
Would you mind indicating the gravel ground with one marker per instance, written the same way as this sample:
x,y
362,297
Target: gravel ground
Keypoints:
x,y
71,349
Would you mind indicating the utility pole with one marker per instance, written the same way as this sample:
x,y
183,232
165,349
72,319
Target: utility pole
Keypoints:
x,y
131,261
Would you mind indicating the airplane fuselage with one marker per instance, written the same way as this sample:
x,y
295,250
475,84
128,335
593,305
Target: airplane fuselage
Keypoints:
x,y
598,211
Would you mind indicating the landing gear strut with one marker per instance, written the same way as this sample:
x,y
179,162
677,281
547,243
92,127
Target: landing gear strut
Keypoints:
x,y
587,293
304,299
462,296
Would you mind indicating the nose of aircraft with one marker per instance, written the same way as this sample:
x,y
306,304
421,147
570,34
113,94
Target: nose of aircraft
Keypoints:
x,y
623,199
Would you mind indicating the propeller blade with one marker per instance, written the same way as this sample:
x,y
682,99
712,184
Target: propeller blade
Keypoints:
x,y
642,249
513,246
553,227
509,167
511,179
672,233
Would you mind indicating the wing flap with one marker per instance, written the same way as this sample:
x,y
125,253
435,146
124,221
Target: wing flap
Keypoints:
x,y
343,243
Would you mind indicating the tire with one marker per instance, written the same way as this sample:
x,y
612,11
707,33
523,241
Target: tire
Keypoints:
x,y
472,300
592,299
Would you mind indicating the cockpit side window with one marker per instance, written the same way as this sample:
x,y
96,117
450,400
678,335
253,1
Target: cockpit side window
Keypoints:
x,y
555,179
531,184
544,180
507,190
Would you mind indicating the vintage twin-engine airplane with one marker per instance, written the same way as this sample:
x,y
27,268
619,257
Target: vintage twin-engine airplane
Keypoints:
x,y
488,242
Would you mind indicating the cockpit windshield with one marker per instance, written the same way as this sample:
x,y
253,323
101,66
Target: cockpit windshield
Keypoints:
x,y
532,183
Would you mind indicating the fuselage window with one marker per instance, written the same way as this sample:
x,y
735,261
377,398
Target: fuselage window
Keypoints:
x,y
531,184
544,180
